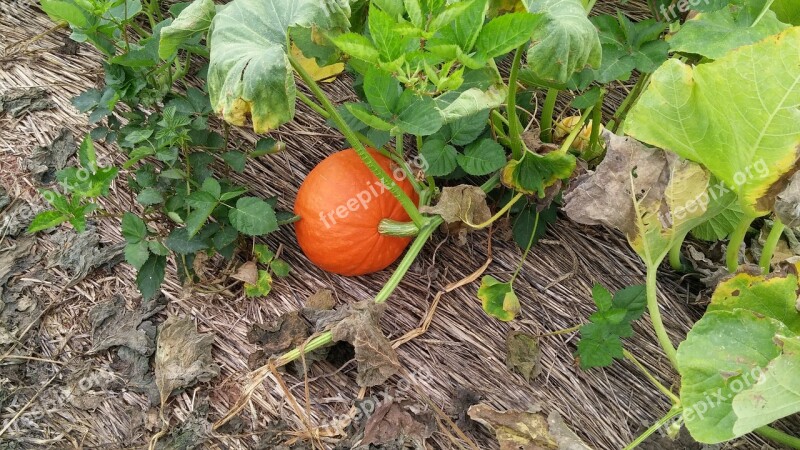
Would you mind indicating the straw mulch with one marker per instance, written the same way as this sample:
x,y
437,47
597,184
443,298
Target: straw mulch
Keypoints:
x,y
463,349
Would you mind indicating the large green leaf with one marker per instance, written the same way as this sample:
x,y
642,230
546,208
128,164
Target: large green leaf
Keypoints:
x,y
733,115
739,362
724,349
534,173
565,43
716,33
628,46
249,71
193,21
774,397
505,33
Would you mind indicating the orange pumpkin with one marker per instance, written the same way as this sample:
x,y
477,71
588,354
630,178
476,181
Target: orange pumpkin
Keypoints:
x,y
340,204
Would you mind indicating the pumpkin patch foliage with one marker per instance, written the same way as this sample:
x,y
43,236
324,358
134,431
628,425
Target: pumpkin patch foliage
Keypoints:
x,y
453,127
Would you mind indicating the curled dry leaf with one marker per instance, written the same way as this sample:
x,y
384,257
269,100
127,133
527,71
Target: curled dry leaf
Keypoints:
x,y
377,360
183,356
461,204
654,197
787,203
322,300
247,273
399,425
527,430
284,333
462,207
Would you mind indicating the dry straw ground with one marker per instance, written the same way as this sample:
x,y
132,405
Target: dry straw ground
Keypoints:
x,y
464,349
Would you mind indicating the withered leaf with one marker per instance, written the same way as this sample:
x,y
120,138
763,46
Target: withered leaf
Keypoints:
x,y
461,204
322,300
45,161
80,253
527,430
400,425
115,325
515,430
523,354
284,333
247,273
376,359
183,356
787,203
18,101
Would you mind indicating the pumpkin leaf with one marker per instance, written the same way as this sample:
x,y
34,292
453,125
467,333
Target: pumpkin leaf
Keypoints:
x,y
457,105
721,115
775,396
183,356
629,46
534,173
652,196
482,157
325,74
360,326
440,158
752,325
461,204
526,430
714,34
193,21
720,226
249,71
253,217
357,46
565,43
499,299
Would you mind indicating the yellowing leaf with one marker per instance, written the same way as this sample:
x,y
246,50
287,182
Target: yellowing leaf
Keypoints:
x,y
325,74
499,299
738,116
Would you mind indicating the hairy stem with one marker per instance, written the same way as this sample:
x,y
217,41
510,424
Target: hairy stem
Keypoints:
x,y
655,316
597,121
658,424
629,356
389,227
769,247
497,215
779,436
547,115
735,242
675,255
352,138
514,126
616,122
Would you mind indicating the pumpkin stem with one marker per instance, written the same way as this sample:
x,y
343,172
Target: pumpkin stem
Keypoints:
x,y
389,227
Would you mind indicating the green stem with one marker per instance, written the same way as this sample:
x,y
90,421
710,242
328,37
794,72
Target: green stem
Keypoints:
x,y
675,256
629,356
676,410
655,316
769,247
547,115
416,246
527,249
389,227
761,14
313,105
352,138
575,131
616,122
779,436
497,215
398,143
597,122
514,126
735,242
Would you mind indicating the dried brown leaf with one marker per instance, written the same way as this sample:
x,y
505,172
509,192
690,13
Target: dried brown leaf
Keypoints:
x,y
183,356
284,333
527,430
247,273
787,203
377,360
461,204
399,425
523,354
